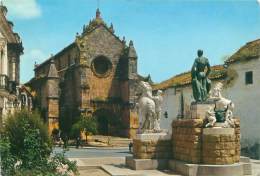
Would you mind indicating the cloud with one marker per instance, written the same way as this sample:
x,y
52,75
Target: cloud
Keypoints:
x,y
36,55
258,2
28,60
23,9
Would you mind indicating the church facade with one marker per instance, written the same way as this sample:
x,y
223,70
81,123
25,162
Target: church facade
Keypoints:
x,y
96,75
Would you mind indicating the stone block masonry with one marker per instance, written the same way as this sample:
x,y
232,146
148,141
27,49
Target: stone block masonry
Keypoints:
x,y
219,146
186,140
194,144
152,149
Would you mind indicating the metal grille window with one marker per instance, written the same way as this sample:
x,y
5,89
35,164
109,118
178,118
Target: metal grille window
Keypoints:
x,y
249,77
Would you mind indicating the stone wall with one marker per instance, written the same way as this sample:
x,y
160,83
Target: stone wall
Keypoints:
x,y
220,148
152,149
190,144
186,140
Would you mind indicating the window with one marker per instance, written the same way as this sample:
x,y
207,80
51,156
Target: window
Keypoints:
x,y
101,66
2,63
249,77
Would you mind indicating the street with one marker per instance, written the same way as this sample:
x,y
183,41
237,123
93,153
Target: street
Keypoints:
x,y
94,152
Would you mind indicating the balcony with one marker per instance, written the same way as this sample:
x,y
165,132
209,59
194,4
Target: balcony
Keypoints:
x,y
4,81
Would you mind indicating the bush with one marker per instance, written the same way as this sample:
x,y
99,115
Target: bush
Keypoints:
x,y
86,124
25,148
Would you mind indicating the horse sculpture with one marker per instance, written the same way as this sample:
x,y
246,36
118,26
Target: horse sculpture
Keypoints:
x,y
149,109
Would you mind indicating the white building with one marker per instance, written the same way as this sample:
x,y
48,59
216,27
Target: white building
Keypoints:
x,y
241,79
12,94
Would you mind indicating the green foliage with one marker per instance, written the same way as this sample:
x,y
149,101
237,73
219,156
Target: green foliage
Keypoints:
x,y
25,148
7,159
18,126
85,124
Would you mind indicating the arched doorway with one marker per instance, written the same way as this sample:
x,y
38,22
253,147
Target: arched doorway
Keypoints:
x,y
104,119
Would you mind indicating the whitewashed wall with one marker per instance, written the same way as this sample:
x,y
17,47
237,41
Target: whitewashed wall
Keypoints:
x,y
172,105
247,100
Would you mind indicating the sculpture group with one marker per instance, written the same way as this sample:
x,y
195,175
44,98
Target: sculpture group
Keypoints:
x,y
222,111
149,105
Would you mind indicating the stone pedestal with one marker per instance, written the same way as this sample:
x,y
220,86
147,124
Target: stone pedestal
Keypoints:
x,y
194,144
146,164
188,169
152,146
219,146
186,140
150,151
198,110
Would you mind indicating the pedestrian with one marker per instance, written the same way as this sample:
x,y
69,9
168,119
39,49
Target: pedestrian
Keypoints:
x,y
78,142
130,147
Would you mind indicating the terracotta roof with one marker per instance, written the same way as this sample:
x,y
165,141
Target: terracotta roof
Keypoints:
x,y
217,72
250,50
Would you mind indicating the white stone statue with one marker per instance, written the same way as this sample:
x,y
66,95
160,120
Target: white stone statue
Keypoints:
x,y
210,116
149,109
223,110
229,117
158,109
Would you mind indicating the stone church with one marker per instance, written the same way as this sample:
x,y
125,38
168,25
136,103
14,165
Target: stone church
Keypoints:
x,y
95,75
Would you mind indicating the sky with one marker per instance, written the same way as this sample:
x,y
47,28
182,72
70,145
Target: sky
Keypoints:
x,y
166,33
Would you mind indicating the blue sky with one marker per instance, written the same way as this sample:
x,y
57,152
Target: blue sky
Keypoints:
x,y
166,33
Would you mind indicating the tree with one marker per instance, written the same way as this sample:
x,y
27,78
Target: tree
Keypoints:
x,y
86,124
25,148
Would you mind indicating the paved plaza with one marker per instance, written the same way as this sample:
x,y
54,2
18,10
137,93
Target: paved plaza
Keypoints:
x,y
107,161
93,152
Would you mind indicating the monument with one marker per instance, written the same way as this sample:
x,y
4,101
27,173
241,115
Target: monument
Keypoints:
x,y
205,143
208,142
152,145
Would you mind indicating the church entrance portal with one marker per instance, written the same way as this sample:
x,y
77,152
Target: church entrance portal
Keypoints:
x,y
104,118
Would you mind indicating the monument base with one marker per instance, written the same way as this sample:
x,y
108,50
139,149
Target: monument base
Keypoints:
x,y
152,146
199,109
220,146
237,169
146,164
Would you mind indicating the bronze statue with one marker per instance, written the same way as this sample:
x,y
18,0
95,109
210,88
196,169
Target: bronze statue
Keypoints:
x,y
201,84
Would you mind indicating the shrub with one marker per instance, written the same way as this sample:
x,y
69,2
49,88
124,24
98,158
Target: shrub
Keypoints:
x,y
26,147
86,124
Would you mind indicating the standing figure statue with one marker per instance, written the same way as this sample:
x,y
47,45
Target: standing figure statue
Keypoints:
x,y
201,84
158,99
149,109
